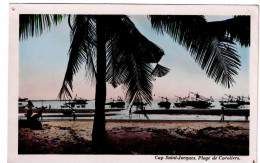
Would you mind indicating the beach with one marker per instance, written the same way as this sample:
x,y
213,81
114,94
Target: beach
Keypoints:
x,y
139,137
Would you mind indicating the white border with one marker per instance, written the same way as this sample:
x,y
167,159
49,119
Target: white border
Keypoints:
x,y
119,9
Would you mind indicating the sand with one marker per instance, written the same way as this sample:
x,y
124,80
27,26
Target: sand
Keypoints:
x,y
139,137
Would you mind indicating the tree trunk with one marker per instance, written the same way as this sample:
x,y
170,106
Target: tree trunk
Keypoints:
x,y
98,132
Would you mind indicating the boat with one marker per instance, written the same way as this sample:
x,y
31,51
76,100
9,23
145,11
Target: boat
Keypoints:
x,y
41,108
23,99
74,104
228,104
139,104
68,107
200,104
22,102
198,101
232,102
241,101
180,102
119,103
164,104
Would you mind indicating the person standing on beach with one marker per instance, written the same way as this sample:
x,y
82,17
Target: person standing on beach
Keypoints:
x,y
29,107
222,114
74,115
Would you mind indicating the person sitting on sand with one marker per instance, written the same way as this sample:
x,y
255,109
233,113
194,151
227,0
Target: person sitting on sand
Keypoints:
x,y
37,116
222,114
29,108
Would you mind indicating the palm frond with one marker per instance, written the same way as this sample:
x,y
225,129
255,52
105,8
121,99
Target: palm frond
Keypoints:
x,y
129,58
57,18
121,23
90,49
80,52
237,28
138,79
160,71
113,63
223,63
34,25
214,53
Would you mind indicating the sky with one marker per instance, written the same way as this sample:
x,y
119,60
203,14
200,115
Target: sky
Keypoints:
x,y
43,62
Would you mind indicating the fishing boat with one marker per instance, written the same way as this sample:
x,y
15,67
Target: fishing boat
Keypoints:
x,y
22,102
180,102
68,107
23,99
231,102
241,101
119,103
76,103
164,103
139,104
199,104
198,101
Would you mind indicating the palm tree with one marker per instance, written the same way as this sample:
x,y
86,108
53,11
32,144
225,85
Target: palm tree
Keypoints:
x,y
211,44
116,52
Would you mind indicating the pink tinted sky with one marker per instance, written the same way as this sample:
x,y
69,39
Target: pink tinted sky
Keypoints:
x,y
43,61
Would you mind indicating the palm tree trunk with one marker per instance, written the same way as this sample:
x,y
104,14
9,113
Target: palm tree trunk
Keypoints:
x,y
98,132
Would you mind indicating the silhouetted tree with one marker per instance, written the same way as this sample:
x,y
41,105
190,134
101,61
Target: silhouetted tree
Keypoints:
x,y
114,51
211,44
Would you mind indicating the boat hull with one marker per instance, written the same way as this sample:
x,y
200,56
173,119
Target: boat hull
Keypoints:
x,y
200,104
116,104
193,104
244,103
165,105
230,105
180,104
66,111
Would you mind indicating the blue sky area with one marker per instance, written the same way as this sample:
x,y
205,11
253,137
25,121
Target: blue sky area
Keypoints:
x,y
43,61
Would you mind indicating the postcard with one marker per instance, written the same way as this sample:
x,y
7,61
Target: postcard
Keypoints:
x,y
132,83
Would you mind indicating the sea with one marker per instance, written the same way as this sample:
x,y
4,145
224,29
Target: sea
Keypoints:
x,y
124,114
